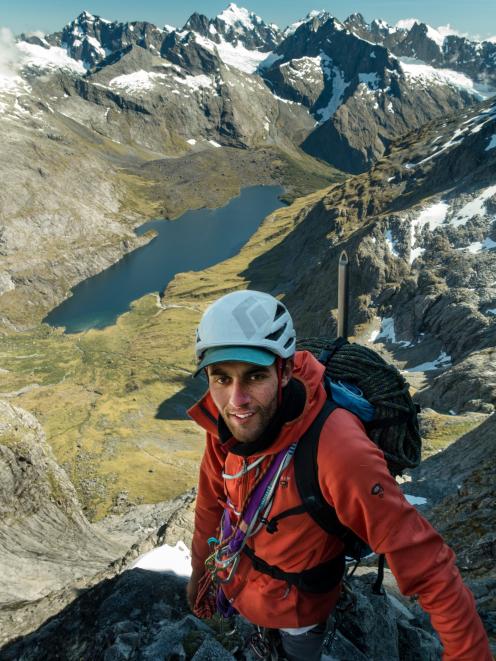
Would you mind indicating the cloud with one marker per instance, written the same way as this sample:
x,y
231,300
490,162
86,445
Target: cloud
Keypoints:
x,y
10,56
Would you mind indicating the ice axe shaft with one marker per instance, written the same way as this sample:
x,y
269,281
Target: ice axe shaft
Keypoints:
x,y
343,294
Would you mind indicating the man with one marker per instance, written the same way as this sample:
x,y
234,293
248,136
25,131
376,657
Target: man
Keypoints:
x,y
262,396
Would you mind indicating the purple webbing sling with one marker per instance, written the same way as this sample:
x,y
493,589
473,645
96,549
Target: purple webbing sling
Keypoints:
x,y
223,605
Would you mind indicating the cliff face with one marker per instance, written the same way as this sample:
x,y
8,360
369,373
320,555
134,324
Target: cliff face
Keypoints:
x,y
45,541
48,549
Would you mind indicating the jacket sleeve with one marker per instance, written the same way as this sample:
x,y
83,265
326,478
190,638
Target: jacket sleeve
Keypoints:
x,y
208,509
355,480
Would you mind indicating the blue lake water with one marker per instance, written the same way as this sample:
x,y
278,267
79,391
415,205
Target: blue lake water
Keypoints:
x,y
195,241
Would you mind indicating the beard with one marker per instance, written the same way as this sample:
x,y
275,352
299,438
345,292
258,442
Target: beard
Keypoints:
x,y
251,428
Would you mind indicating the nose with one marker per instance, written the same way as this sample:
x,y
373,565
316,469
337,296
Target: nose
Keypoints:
x,y
239,395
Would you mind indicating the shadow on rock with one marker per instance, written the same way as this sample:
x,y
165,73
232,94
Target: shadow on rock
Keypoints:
x,y
176,406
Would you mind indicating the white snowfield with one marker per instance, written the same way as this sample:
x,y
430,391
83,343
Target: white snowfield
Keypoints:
x,y
388,334
142,81
418,72
48,58
339,86
175,559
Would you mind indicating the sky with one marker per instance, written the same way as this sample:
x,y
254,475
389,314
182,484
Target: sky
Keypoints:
x,y
472,17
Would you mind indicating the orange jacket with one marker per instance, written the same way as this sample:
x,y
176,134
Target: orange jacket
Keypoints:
x,y
350,465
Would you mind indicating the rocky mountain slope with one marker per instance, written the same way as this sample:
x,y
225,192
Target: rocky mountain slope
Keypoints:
x,y
459,486
361,95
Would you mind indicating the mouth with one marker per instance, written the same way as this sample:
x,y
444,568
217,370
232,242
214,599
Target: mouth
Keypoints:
x,y
242,417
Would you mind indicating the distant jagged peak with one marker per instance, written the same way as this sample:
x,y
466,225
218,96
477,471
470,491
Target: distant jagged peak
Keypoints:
x,y
407,23
358,17
87,18
317,17
239,18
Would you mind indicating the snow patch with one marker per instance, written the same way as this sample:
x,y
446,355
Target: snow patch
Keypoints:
x,y
195,82
435,36
433,216
407,23
387,333
415,500
370,79
421,73
214,144
477,246
96,45
391,243
191,141
443,360
176,559
374,335
240,57
474,208
138,81
339,87
492,142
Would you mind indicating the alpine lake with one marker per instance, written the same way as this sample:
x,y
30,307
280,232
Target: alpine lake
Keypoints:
x,y
194,241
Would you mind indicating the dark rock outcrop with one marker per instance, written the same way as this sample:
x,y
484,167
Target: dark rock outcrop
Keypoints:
x,y
143,615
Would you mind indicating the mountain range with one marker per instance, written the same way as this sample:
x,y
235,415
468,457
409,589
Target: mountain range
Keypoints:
x,y
351,87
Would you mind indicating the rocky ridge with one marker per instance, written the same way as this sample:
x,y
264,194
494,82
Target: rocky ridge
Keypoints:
x,y
361,95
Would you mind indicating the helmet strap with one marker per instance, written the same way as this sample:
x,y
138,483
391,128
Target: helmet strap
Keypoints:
x,y
280,365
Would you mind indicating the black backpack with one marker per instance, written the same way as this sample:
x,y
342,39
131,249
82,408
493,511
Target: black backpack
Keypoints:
x,y
394,429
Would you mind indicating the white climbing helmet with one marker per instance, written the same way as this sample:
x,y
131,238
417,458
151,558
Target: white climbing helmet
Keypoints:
x,y
247,326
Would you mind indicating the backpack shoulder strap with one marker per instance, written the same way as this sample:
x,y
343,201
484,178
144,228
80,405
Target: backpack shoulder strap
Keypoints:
x,y
307,477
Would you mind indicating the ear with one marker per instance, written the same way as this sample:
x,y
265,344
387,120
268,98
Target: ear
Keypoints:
x,y
287,372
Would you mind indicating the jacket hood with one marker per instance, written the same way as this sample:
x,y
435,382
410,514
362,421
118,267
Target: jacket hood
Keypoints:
x,y
309,372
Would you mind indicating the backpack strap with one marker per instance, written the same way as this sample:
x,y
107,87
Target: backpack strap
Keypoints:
x,y
307,476
317,580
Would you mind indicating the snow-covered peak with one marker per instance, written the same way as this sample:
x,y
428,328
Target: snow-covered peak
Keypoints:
x,y
407,23
320,14
239,18
86,16
435,36
382,26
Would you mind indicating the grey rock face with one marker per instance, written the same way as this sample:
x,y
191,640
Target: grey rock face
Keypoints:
x,y
39,510
460,488
92,39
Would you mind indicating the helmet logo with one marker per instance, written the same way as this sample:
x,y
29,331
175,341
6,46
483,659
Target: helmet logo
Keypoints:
x,y
250,315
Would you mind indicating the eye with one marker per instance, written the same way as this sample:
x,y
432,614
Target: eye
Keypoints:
x,y
221,380
258,376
